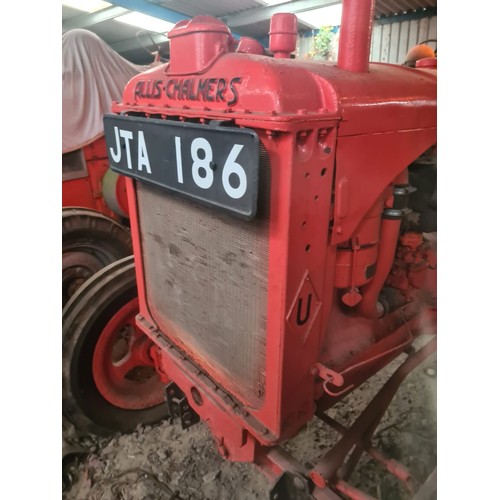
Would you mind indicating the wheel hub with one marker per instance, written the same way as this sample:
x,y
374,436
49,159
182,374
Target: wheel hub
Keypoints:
x,y
77,267
123,370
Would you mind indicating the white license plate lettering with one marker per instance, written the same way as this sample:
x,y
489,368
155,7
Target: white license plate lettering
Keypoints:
x,y
216,165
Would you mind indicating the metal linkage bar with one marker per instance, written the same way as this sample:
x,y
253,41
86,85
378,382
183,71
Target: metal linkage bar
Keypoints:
x,y
329,477
392,466
327,469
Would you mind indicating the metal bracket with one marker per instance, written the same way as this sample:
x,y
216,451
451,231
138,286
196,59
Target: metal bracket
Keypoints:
x,y
358,435
178,406
328,375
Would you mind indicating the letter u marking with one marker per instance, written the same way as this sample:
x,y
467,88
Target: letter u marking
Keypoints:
x,y
300,321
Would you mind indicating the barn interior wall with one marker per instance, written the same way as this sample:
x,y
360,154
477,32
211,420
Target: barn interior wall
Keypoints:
x,y
390,41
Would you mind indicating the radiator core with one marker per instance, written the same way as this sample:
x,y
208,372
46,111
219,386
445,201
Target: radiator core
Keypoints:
x,y
206,275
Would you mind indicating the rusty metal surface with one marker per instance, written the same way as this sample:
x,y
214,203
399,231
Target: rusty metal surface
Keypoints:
x,y
207,284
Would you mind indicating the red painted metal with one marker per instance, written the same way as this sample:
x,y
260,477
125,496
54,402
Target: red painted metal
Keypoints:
x,y
87,191
392,466
355,35
326,469
373,353
414,265
357,258
351,492
78,193
122,367
283,35
389,234
196,43
248,45
338,139
427,63
121,194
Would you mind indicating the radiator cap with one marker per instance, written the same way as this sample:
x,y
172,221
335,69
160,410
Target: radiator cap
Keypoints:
x,y
196,43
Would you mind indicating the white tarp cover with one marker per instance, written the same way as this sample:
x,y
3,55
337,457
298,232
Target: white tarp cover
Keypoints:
x,y
93,75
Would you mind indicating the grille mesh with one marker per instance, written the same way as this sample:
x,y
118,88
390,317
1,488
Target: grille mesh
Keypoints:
x,y
206,282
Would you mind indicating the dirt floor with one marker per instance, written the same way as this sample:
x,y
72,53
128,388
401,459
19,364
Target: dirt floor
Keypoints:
x,y
164,462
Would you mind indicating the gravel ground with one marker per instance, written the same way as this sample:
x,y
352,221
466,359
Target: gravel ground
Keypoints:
x,y
164,462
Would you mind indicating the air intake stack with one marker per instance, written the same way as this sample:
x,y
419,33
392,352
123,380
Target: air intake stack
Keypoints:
x,y
355,35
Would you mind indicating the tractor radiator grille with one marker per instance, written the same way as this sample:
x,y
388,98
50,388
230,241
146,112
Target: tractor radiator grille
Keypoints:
x,y
206,278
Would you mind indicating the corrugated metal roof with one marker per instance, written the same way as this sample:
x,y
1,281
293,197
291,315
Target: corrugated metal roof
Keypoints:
x,y
69,13
216,8
116,33
220,8
395,7
261,29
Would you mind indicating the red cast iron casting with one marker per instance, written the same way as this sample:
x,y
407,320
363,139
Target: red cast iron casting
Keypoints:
x,y
283,35
339,139
122,366
86,189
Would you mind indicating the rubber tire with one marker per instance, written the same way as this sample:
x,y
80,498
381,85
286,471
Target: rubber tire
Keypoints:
x,y
89,231
84,317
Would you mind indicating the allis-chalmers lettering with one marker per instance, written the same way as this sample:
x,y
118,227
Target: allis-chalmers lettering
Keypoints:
x,y
191,89
148,88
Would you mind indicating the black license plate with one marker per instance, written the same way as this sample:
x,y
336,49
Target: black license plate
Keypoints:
x,y
212,164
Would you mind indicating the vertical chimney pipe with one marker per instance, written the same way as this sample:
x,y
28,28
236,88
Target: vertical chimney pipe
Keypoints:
x,y
355,35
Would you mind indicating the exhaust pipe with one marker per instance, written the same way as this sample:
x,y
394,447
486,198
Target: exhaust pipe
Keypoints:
x,y
355,35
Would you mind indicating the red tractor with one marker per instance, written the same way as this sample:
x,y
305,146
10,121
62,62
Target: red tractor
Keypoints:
x,y
281,252
95,233
95,211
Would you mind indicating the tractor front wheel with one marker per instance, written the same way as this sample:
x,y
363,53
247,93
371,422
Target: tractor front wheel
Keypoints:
x,y
90,241
109,380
